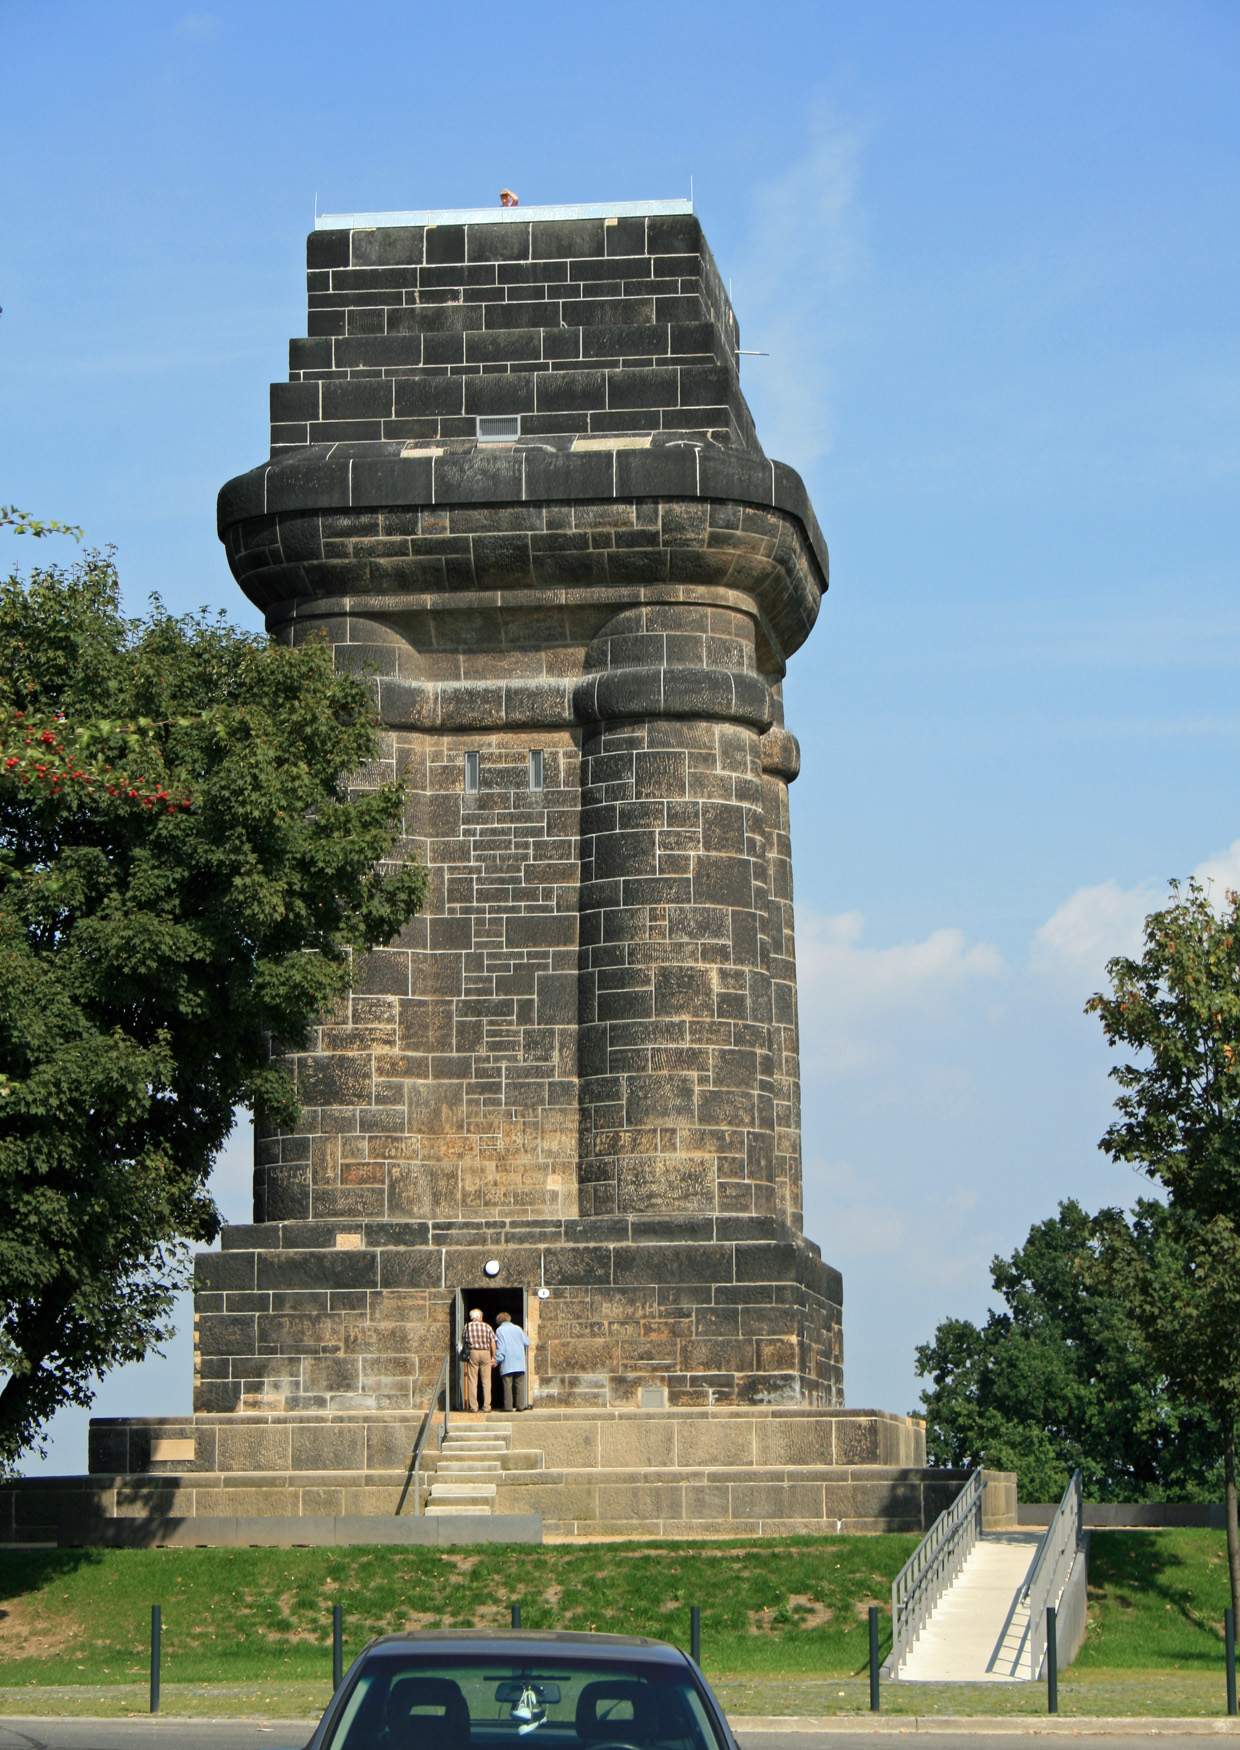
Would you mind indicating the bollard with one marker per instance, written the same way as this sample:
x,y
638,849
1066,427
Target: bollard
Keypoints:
x,y
1052,1662
695,1633
516,1616
337,1647
1229,1637
875,1697
156,1623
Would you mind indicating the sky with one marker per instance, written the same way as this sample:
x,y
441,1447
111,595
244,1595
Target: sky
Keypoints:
x,y
992,253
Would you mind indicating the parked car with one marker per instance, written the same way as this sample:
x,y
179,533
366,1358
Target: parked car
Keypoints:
x,y
479,1690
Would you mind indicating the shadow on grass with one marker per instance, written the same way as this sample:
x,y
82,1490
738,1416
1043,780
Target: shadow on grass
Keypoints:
x,y
67,1513
1127,1569
24,1571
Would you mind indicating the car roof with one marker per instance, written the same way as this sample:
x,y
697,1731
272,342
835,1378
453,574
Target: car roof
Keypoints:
x,y
541,1641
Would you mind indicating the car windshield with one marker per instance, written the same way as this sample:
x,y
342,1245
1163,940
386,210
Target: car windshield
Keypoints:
x,y
404,1701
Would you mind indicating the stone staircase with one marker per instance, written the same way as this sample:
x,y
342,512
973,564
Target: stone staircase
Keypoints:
x,y
468,1467
979,1630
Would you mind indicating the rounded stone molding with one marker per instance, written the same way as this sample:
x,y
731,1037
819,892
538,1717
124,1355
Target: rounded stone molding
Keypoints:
x,y
622,694
306,526
781,754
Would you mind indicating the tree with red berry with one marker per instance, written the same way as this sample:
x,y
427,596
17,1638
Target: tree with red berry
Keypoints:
x,y
187,860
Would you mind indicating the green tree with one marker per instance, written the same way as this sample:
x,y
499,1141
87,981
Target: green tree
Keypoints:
x,y
182,884
1060,1379
1177,1007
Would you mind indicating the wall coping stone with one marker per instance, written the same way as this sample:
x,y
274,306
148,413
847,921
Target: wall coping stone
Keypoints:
x,y
591,1413
286,1531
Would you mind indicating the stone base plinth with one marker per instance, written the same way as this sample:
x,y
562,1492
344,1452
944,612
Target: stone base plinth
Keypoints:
x,y
687,1473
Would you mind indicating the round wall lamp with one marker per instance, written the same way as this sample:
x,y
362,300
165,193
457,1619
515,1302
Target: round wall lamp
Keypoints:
x,y
491,1267
544,1294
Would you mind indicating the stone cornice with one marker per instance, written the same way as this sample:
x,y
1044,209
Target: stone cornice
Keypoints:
x,y
296,528
354,476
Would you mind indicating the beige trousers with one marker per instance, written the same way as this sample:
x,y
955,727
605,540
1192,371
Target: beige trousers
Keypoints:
x,y
478,1373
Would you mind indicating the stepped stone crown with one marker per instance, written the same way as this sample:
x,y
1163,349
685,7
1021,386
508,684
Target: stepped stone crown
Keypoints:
x,y
514,481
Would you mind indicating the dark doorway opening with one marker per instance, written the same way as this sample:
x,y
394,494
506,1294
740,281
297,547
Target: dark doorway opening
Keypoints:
x,y
490,1302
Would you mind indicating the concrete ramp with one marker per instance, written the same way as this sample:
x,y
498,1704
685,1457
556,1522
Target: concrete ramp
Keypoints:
x,y
979,1630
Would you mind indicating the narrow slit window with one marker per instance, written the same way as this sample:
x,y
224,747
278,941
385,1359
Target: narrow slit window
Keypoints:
x,y
472,763
536,769
499,428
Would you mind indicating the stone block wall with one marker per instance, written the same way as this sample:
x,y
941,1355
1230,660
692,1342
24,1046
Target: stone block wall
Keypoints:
x,y
323,1316
446,1087
582,328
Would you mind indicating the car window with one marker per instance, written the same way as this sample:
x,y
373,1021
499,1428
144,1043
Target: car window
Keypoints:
x,y
415,1702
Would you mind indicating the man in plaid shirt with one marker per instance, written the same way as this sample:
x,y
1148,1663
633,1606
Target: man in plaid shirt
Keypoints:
x,y
480,1341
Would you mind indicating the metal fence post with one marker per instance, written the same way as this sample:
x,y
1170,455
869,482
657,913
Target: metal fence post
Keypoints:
x,y
337,1647
1052,1663
156,1624
1229,1637
516,1616
695,1633
875,1696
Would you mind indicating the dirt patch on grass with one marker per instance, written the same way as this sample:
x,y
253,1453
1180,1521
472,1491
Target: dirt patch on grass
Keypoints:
x,y
284,1631
810,1612
797,1611
700,1551
26,1634
417,1619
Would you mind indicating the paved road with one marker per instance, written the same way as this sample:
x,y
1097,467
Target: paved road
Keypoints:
x,y
148,1734
142,1734
950,1740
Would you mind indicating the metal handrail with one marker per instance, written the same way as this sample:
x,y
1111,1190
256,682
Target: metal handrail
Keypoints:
x,y
414,1479
1059,1549
932,1567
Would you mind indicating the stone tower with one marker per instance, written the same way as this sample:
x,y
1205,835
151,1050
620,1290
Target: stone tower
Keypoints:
x,y
514,481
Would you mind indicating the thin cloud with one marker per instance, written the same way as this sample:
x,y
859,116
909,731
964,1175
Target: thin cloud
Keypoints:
x,y
198,27
1222,871
851,995
1089,928
803,249
1096,923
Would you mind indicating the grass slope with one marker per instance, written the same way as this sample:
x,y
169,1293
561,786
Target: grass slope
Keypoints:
x,y
781,1605
779,1609
1156,1601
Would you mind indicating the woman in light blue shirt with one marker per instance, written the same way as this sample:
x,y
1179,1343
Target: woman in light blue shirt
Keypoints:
x,y
511,1344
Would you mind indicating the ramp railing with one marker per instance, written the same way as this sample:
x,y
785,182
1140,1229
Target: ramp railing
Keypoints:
x,y
931,1568
413,1480
1050,1576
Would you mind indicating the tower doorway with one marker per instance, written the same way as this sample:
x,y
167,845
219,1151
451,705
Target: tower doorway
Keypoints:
x,y
490,1302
